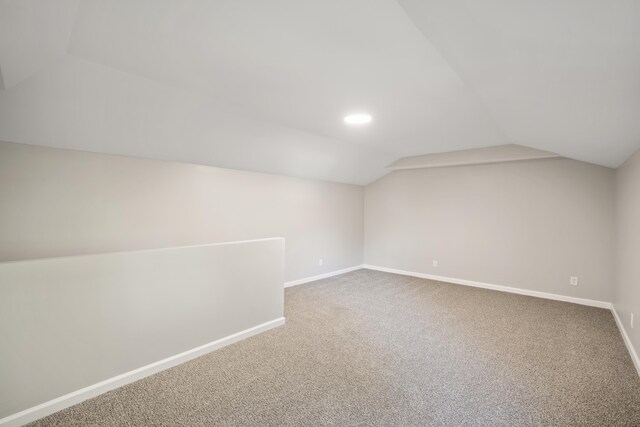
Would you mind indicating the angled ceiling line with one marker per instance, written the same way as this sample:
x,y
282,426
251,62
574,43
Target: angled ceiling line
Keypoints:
x,y
464,80
219,99
72,29
225,102
360,177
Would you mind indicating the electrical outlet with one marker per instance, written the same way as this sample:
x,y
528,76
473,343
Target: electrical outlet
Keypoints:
x,y
631,320
573,281
320,262
435,262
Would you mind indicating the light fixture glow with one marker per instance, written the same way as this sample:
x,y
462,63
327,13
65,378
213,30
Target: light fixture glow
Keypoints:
x,y
357,119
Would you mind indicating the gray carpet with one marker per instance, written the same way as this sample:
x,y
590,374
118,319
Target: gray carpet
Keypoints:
x,y
372,348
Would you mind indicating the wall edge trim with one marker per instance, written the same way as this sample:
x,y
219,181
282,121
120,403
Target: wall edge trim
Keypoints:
x,y
500,288
75,397
322,276
626,339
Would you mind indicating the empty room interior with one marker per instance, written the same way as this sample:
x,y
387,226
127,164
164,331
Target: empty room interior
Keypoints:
x,y
319,212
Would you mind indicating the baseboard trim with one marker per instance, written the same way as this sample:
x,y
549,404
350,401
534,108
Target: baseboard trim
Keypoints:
x,y
73,398
520,291
322,276
545,295
627,340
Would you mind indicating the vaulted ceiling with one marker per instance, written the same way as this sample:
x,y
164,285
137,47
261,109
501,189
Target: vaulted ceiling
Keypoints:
x,y
264,85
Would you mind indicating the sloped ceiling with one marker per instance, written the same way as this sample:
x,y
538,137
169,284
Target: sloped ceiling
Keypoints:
x,y
263,85
561,76
33,34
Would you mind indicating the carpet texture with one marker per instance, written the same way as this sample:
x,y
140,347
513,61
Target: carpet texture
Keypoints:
x,y
373,348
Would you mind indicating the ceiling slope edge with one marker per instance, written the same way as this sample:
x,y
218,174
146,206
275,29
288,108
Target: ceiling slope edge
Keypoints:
x,y
475,156
464,80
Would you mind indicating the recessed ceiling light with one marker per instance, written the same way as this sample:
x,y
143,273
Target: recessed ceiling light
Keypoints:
x,y
357,119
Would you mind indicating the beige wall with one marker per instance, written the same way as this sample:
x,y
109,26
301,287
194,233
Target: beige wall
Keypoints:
x,y
627,292
529,224
61,202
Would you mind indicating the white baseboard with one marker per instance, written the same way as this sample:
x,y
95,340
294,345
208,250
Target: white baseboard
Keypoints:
x,y
55,405
322,276
575,300
627,341
62,402
545,295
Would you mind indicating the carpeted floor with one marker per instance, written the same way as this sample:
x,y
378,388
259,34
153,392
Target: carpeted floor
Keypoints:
x,y
372,348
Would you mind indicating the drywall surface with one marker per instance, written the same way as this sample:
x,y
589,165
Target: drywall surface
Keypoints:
x,y
61,202
68,323
627,293
529,224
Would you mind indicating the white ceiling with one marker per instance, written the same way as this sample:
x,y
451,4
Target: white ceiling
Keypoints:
x,y
33,34
263,85
558,75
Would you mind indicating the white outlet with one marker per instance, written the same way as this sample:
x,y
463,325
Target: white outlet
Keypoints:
x,y
320,262
573,281
631,320
435,262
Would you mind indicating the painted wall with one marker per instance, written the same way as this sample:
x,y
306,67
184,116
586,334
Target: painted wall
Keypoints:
x,y
627,291
529,224
61,202
71,322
